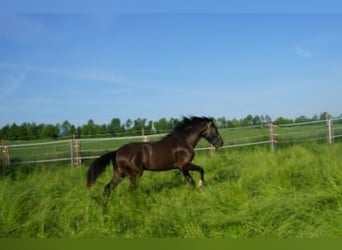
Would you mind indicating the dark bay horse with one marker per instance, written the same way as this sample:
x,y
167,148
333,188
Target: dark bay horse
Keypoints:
x,y
174,151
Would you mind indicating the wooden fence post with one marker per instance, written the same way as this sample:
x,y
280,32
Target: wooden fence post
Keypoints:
x,y
272,135
75,153
5,157
329,131
211,150
144,137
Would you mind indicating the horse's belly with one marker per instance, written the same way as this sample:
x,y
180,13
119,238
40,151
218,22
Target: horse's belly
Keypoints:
x,y
156,158
159,166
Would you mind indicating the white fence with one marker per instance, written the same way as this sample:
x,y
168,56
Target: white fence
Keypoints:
x,y
75,151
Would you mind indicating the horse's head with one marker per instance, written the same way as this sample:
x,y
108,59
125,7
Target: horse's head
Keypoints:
x,y
212,135
196,127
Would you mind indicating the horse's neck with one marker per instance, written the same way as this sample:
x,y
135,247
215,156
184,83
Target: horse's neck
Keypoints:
x,y
190,135
193,137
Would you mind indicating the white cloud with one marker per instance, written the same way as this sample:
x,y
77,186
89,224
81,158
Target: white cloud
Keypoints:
x,y
11,80
85,74
303,52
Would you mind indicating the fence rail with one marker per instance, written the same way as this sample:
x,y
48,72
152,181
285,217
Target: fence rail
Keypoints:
x,y
75,150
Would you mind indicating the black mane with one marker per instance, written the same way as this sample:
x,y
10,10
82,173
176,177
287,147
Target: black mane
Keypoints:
x,y
190,121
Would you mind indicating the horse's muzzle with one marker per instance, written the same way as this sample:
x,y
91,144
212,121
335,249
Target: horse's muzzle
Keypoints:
x,y
218,142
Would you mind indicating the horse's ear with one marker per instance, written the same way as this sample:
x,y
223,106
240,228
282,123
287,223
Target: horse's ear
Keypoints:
x,y
209,124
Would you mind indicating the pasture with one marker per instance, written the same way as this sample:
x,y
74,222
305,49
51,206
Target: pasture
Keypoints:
x,y
295,191
60,150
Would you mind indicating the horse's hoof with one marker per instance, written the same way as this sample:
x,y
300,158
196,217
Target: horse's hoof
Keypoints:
x,y
199,184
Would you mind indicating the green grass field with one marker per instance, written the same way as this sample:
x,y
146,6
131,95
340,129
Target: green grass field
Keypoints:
x,y
250,193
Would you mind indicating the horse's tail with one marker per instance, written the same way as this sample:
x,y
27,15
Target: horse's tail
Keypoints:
x,y
99,166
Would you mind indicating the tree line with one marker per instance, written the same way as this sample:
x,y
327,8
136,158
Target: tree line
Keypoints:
x,y
139,126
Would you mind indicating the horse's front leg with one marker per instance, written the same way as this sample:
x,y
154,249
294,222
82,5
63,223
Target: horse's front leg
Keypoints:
x,y
192,167
188,177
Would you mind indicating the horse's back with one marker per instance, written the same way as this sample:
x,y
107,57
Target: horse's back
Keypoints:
x,y
129,149
154,156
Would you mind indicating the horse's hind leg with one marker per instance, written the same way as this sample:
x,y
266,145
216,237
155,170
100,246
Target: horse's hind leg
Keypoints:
x,y
134,179
112,184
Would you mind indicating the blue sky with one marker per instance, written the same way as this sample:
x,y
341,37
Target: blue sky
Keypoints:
x,y
77,66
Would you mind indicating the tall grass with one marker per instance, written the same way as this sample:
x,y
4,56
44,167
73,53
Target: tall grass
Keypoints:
x,y
293,192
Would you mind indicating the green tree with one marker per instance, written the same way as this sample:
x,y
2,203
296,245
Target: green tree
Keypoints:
x,y
325,116
282,120
5,132
233,123
149,127
24,131
128,124
221,122
161,126
89,129
302,118
115,126
315,118
65,129
248,120
14,132
257,120
173,122
49,131
139,125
